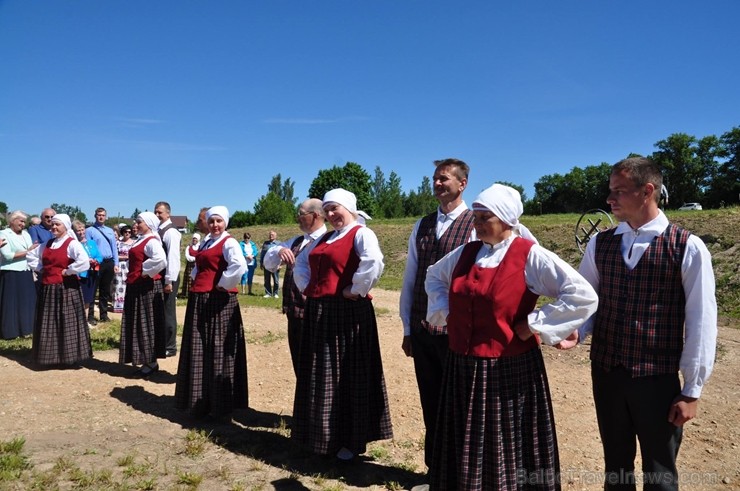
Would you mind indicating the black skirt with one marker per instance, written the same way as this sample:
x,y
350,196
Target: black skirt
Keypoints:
x,y
340,397
212,371
496,428
17,304
143,336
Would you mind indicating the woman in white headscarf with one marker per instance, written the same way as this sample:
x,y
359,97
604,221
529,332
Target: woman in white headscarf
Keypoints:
x,y
143,337
61,335
212,372
495,423
340,399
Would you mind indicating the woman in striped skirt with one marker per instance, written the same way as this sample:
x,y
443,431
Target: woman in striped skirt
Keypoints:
x,y
495,428
212,372
142,324
340,399
61,335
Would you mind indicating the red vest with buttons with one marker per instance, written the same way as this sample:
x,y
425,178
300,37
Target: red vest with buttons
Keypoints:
x,y
54,262
136,258
211,266
486,303
332,265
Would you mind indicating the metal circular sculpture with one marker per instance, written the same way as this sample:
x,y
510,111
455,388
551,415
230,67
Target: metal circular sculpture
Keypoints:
x,y
590,223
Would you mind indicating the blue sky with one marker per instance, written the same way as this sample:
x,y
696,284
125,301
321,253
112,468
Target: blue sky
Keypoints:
x,y
125,103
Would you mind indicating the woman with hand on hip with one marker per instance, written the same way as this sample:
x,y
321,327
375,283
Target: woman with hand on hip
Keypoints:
x,y
212,372
143,336
61,335
495,428
340,399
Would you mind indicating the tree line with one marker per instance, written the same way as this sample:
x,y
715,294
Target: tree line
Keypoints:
x,y
705,170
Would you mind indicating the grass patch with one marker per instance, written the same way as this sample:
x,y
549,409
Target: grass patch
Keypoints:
x,y
189,479
196,442
12,459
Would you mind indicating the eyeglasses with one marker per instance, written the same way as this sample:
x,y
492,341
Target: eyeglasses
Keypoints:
x,y
304,213
48,216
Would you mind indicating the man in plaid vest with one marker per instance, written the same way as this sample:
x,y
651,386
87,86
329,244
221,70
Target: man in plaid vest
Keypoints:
x,y
657,316
311,221
432,237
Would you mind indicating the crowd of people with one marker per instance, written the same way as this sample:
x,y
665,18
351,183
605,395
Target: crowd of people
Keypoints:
x,y
469,308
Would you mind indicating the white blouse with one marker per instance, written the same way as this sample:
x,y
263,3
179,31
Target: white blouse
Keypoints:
x,y
545,274
367,248
236,265
75,251
157,259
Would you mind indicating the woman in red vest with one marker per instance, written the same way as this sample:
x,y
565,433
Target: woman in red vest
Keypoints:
x,y
212,372
340,399
61,335
142,324
495,428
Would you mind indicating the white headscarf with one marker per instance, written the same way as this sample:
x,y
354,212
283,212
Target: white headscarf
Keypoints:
x,y
196,235
506,203
64,219
221,211
348,200
150,219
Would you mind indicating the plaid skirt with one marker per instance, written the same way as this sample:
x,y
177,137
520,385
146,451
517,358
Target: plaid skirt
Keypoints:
x,y
61,335
17,304
143,336
496,428
212,371
340,397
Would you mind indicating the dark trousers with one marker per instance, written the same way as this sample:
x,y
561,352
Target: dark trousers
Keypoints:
x,y
295,326
430,353
636,409
170,318
105,280
272,282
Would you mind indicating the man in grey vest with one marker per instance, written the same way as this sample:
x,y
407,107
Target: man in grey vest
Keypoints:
x,y
432,237
657,316
171,279
311,221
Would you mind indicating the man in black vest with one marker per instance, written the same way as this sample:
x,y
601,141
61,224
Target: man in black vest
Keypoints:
x,y
171,279
432,237
657,316
311,221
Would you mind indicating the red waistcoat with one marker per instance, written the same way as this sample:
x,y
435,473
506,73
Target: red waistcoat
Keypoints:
x,y
54,262
136,258
211,266
332,265
485,303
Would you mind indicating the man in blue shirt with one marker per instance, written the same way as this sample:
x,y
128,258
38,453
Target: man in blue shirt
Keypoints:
x,y
105,238
41,233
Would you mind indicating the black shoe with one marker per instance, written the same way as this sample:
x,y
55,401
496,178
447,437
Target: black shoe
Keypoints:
x,y
105,319
170,353
92,321
147,371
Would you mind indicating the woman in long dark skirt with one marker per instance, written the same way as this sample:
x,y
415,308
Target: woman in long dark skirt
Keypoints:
x,y
495,428
212,372
340,399
143,337
61,335
17,288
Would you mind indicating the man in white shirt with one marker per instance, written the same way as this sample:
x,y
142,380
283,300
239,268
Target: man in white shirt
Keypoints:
x,y
171,278
657,316
433,236
311,221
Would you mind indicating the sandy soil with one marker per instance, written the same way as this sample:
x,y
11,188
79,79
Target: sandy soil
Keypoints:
x,y
95,416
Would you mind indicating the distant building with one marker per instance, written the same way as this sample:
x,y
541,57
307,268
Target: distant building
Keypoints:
x,y
180,222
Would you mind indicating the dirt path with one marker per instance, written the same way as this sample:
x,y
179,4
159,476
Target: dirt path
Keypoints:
x,y
96,416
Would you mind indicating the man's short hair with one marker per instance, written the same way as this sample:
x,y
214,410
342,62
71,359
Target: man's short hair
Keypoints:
x,y
98,210
641,170
163,203
460,168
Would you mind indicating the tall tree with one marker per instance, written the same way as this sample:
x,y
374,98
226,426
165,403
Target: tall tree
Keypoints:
x,y
272,209
683,172
351,177
285,190
422,201
724,185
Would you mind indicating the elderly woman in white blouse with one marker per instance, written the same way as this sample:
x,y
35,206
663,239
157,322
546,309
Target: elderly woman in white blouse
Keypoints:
x,y
340,399
496,422
61,335
143,336
17,289
212,372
